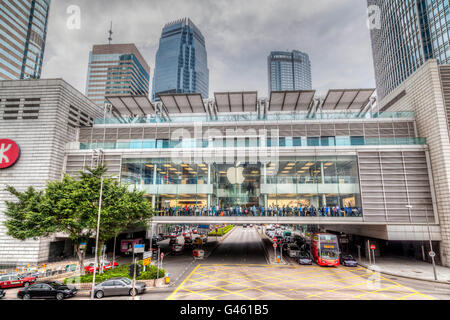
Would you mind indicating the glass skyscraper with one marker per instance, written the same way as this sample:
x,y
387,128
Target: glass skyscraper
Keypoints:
x,y
412,31
23,30
181,61
116,70
289,71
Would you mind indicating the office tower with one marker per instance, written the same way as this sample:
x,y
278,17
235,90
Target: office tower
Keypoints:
x,y
181,61
23,30
409,33
116,69
289,71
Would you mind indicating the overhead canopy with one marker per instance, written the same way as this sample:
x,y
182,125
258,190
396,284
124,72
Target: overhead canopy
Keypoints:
x,y
183,103
236,101
349,99
291,100
132,105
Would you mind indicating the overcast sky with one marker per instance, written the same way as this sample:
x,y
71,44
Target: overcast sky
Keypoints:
x,y
239,36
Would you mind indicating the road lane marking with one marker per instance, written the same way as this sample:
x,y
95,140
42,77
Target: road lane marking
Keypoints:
x,y
182,283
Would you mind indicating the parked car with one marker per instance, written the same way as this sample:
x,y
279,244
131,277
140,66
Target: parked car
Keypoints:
x,y
106,266
304,259
163,236
118,287
47,290
251,226
195,231
244,226
177,249
2,293
14,281
293,250
349,261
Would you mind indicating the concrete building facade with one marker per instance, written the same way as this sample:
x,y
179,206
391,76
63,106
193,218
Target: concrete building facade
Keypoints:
x,y
41,116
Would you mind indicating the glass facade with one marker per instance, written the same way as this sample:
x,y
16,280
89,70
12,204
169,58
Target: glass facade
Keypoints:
x,y
116,70
289,71
291,182
23,31
181,61
412,31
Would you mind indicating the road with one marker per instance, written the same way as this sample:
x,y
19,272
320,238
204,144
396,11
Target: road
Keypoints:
x,y
243,246
237,270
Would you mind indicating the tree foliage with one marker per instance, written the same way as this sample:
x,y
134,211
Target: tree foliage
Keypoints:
x,y
70,206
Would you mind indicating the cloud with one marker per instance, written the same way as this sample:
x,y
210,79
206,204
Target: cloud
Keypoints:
x,y
239,37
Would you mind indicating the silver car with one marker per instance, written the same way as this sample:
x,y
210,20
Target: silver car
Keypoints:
x,y
118,287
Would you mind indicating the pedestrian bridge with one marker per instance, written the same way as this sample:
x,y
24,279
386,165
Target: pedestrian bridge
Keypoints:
x,y
237,220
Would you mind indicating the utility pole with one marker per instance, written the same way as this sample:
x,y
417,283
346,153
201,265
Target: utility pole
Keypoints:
x,y
431,253
134,277
96,237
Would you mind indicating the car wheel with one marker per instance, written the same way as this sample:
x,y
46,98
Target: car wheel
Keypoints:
x,y
59,296
131,292
26,284
26,296
99,294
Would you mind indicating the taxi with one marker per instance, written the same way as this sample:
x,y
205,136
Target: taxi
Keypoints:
x,y
14,281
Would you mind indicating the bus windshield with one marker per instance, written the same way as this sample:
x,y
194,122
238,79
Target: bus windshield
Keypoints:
x,y
328,251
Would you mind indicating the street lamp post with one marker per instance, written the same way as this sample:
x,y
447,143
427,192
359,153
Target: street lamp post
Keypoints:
x,y
96,237
432,254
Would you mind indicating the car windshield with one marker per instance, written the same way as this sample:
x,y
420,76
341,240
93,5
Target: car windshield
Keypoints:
x,y
348,257
293,247
127,281
55,284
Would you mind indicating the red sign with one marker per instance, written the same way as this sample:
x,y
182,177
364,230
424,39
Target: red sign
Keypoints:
x,y
9,153
372,247
275,245
162,255
274,239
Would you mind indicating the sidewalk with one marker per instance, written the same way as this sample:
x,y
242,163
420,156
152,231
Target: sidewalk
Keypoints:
x,y
408,268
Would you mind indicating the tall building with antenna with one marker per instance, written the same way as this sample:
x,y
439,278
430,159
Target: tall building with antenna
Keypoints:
x,y
116,69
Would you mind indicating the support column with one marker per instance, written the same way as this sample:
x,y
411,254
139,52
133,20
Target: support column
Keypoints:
x,y
154,183
209,182
324,197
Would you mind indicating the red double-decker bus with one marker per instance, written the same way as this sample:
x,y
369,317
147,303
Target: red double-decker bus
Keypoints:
x,y
325,249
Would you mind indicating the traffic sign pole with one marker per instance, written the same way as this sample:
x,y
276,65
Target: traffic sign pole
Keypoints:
x,y
134,277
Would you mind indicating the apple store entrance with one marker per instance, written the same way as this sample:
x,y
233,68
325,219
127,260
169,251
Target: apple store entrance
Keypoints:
x,y
318,181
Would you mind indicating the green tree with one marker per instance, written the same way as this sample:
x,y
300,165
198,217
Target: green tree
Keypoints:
x,y
71,206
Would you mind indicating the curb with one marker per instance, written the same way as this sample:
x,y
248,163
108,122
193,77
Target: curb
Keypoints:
x,y
403,276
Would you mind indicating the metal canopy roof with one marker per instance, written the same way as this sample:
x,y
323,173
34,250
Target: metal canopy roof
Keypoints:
x,y
183,103
236,101
291,100
347,99
132,105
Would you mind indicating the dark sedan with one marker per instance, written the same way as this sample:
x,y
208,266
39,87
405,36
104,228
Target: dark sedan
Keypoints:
x,y
304,259
47,290
349,261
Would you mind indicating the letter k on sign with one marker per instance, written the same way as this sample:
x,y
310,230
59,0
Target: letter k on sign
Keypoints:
x,y
9,153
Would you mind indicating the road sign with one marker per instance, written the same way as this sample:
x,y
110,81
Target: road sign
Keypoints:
x,y
274,239
139,248
148,254
432,254
275,245
146,261
372,247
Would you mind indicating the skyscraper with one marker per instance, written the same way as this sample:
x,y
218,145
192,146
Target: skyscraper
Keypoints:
x,y
289,71
23,30
116,69
410,33
181,61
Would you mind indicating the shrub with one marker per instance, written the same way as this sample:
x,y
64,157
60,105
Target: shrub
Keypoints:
x,y
222,231
118,272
